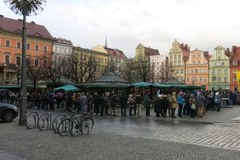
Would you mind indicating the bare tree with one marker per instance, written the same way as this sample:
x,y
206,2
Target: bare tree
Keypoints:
x,y
36,70
55,72
84,68
128,72
142,69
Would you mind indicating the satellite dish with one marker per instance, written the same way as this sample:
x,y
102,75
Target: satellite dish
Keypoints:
x,y
26,7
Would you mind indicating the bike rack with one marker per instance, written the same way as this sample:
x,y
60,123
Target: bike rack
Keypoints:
x,y
56,121
44,121
35,117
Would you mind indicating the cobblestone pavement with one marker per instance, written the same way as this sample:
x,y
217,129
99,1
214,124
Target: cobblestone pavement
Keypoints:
x,y
19,143
216,136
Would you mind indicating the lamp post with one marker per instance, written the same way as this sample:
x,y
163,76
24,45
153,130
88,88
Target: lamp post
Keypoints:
x,y
23,97
24,8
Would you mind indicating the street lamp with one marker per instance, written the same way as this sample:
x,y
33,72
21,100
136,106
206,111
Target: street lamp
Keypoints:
x,y
24,8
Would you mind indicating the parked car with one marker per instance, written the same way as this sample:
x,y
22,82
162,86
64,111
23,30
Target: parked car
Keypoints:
x,y
8,112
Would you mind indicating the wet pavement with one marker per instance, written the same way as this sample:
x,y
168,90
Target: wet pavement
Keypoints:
x,y
215,136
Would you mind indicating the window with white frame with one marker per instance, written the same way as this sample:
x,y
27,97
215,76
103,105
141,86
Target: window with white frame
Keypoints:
x,y
18,44
45,48
7,59
8,43
28,46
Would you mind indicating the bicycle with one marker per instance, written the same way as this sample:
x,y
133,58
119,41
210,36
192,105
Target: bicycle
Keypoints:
x,y
76,124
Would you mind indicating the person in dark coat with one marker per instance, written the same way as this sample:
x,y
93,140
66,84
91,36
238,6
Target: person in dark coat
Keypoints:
x,y
147,102
123,103
158,106
165,104
96,103
103,104
69,102
186,109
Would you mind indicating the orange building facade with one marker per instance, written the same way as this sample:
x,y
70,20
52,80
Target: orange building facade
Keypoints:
x,y
38,48
197,68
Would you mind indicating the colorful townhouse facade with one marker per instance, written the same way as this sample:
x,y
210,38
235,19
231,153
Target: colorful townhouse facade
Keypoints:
x,y
177,58
234,56
219,70
38,47
117,60
197,68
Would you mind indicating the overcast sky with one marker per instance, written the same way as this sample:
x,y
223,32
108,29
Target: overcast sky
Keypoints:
x,y
202,24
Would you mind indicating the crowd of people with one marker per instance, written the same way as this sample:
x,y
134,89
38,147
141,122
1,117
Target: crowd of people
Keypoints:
x,y
193,104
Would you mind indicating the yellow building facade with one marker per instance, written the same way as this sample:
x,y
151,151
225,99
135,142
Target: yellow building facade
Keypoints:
x,y
178,55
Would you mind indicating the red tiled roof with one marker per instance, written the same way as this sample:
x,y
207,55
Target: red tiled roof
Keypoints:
x,y
15,26
115,52
151,52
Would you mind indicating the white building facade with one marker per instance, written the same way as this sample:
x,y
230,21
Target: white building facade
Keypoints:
x,y
158,68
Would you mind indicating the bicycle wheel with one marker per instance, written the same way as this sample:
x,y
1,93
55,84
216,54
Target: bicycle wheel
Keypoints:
x,y
65,127
87,125
76,128
56,122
